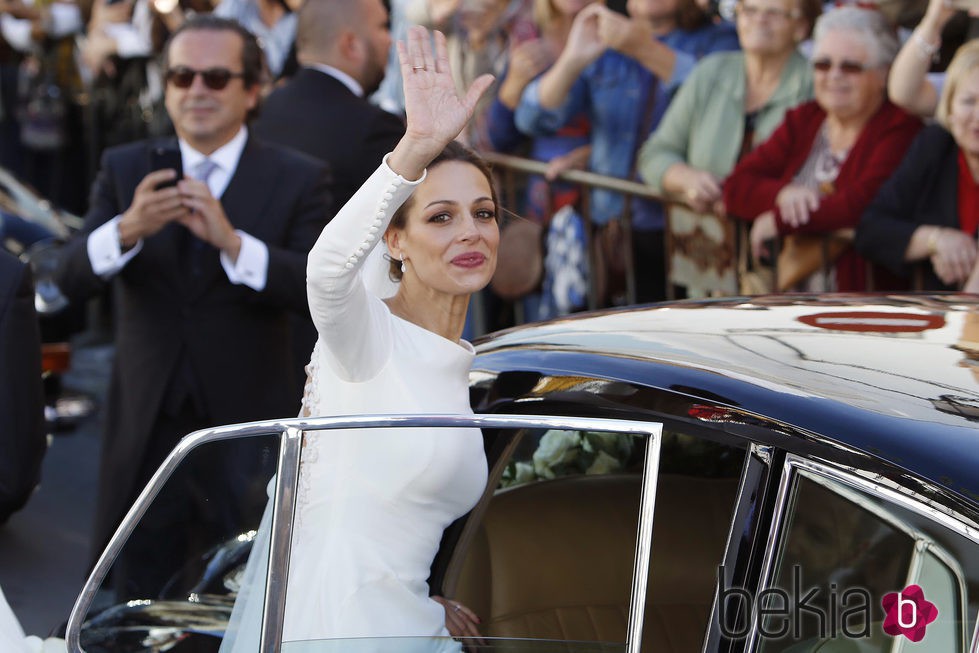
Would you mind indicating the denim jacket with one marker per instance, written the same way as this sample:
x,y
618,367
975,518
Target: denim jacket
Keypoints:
x,y
613,91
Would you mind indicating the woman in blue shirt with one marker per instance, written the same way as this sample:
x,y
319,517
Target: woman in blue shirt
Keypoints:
x,y
622,71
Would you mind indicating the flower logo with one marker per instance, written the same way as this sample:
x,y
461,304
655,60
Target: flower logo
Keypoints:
x,y
908,613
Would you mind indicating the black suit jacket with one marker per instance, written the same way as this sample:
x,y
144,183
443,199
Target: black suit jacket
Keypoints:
x,y
237,340
316,114
22,433
923,190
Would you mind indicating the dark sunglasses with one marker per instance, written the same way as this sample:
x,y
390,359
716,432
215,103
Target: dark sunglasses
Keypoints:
x,y
214,78
846,67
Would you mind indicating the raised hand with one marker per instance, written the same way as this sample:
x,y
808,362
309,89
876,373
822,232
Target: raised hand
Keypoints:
x,y
621,33
585,43
435,112
527,61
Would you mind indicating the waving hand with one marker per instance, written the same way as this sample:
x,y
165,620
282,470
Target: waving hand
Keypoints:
x,y
435,112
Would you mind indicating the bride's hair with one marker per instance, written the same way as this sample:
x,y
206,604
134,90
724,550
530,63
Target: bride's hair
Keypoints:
x,y
454,151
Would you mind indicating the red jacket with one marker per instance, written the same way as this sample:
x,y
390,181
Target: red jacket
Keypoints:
x,y
751,188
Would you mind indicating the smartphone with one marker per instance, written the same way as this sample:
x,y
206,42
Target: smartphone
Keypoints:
x,y
163,157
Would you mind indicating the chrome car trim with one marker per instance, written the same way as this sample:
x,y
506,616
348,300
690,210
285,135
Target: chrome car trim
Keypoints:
x,y
644,542
774,536
893,492
280,542
882,487
758,454
270,427
923,543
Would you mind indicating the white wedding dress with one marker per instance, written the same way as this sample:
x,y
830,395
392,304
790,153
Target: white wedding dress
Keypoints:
x,y
372,505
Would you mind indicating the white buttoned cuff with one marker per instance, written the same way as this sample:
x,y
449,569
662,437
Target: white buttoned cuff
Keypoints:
x,y
252,266
104,252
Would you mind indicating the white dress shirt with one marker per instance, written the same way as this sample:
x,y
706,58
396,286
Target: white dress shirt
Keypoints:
x,y
251,268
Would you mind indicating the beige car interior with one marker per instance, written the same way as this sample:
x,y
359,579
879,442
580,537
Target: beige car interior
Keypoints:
x,y
554,559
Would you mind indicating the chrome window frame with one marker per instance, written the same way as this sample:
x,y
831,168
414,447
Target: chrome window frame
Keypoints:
x,y
875,486
762,456
292,433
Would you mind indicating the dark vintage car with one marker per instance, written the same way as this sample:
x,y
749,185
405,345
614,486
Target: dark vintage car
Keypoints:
x,y
789,473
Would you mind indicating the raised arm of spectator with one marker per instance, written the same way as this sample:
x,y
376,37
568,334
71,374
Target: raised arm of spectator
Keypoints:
x,y
907,84
527,61
432,14
584,46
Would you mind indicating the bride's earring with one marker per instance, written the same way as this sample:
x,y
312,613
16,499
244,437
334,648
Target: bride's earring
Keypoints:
x,y
404,268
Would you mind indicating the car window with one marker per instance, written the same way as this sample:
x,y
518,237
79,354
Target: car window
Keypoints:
x,y
695,500
552,453
174,580
551,553
554,551
856,571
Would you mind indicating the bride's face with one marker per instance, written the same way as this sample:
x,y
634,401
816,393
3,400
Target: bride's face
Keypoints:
x,y
451,234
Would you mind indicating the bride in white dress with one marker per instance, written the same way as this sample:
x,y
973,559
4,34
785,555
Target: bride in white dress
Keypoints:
x,y
373,505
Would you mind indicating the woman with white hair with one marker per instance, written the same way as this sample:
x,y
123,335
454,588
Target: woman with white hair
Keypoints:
x,y
826,161
929,210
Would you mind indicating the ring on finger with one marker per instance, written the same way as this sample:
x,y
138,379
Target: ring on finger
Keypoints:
x,y
455,606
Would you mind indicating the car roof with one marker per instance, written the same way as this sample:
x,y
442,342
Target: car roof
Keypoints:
x,y
896,376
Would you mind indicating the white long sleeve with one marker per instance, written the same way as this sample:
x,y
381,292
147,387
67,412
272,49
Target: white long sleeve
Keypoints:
x,y
352,322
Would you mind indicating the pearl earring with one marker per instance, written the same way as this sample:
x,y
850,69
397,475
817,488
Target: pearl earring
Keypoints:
x,y
404,268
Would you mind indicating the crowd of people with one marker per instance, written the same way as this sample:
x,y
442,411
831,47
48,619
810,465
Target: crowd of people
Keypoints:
x,y
673,93
219,141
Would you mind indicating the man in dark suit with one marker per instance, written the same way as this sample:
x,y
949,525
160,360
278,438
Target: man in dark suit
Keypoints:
x,y
205,273
22,436
342,46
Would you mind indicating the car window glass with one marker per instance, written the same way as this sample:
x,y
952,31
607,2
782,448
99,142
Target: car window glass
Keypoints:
x,y
547,454
554,554
848,551
695,499
174,582
941,587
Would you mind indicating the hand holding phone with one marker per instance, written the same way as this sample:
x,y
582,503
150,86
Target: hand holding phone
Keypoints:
x,y
163,158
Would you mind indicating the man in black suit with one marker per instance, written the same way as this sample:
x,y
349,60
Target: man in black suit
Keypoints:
x,y
205,273
22,435
342,46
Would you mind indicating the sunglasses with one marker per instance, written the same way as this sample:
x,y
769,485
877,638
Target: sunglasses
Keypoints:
x,y
846,67
214,78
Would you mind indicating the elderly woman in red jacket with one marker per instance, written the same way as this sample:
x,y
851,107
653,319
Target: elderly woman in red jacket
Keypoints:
x,y
823,165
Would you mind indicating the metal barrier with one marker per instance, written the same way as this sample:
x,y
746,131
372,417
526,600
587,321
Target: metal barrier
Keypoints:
x,y
729,249
509,167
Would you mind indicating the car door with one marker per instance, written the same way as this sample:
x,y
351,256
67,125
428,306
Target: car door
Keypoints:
x,y
193,606
858,562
